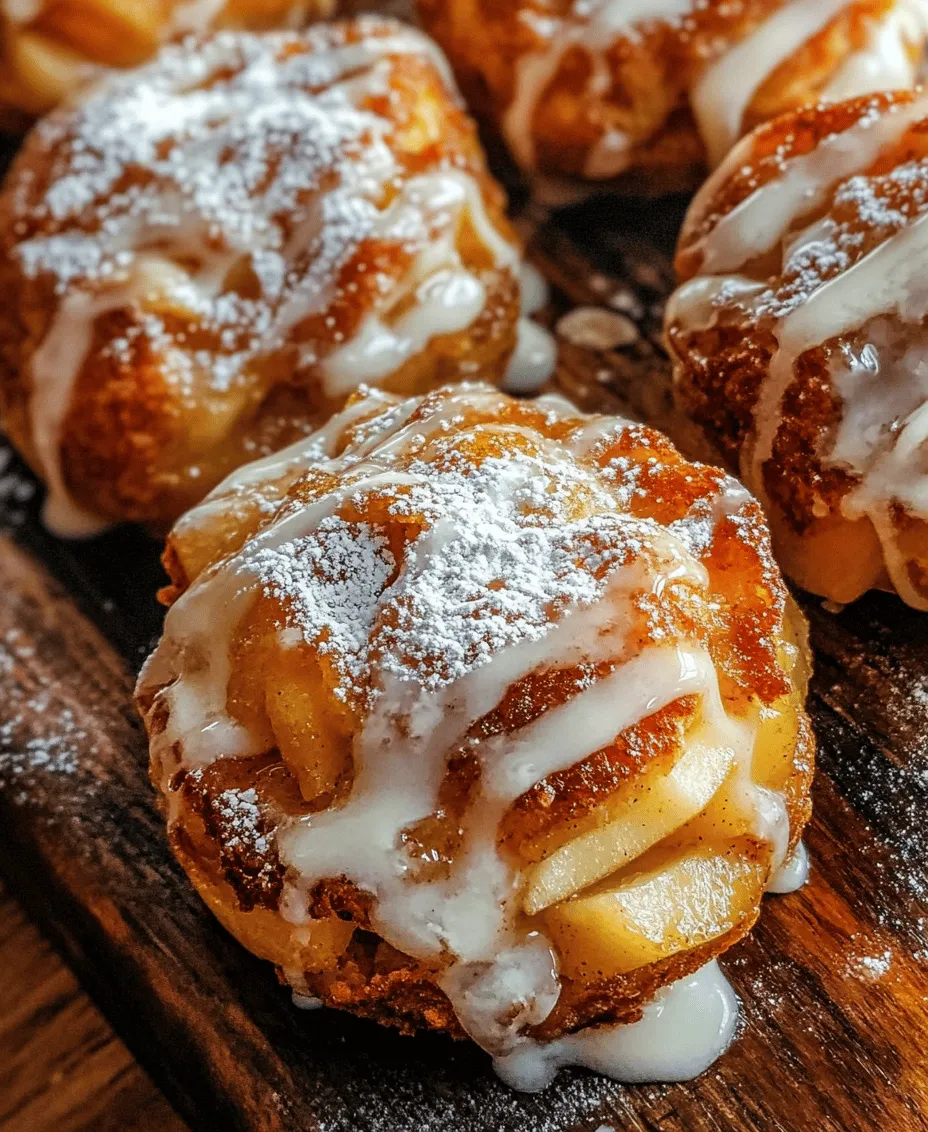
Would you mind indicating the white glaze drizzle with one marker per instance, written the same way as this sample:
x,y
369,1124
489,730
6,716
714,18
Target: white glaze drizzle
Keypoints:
x,y
883,424
756,224
890,59
194,16
250,483
448,298
55,365
196,205
503,978
725,89
888,280
593,26
22,11
883,437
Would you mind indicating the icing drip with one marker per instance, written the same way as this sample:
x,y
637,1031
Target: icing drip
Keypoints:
x,y
831,294
793,873
686,1027
511,575
272,173
535,355
448,298
534,359
533,288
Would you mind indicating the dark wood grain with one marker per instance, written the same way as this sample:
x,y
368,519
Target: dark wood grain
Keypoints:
x,y
834,981
62,1069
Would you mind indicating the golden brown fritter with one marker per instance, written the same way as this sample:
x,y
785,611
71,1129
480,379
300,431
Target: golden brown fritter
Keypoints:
x,y
372,632
577,89
798,337
206,255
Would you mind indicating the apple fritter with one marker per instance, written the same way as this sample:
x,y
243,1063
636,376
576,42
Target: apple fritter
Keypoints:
x,y
598,89
482,715
204,257
800,338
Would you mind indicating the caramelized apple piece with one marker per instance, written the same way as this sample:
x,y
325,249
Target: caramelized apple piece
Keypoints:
x,y
312,727
47,70
661,804
622,925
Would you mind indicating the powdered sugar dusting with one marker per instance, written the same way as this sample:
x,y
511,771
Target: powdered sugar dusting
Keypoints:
x,y
219,152
497,548
503,575
240,810
330,583
866,210
726,52
498,557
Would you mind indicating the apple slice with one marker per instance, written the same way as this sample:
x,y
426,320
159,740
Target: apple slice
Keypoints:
x,y
312,728
619,927
47,69
652,811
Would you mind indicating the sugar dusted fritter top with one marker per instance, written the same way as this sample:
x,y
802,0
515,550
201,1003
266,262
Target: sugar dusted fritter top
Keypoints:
x,y
207,254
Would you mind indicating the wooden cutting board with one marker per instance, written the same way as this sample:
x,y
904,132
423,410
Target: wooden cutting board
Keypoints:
x,y
834,981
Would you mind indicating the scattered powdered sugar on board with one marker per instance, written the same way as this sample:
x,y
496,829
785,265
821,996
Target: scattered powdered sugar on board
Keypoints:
x,y
28,761
36,767
870,966
875,966
460,1098
17,489
897,808
762,988
55,753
